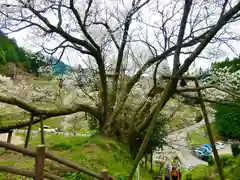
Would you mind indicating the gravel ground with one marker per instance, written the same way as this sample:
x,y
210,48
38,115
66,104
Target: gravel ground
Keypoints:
x,y
16,140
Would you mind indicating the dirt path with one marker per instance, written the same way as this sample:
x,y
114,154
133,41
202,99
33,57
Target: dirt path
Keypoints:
x,y
16,140
178,141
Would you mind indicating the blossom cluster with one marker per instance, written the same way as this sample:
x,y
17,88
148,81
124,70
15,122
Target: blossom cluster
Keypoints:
x,y
46,70
224,79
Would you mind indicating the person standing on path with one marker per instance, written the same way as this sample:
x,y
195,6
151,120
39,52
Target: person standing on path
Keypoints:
x,y
174,174
168,171
74,132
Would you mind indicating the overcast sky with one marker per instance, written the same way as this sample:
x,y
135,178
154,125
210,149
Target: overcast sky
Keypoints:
x,y
24,40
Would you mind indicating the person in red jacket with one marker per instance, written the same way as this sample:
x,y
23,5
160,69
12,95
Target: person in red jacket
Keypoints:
x,y
179,175
176,174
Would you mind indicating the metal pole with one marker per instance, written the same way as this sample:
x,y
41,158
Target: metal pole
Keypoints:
x,y
138,173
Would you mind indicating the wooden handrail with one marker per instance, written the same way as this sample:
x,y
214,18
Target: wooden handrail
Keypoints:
x,y
53,157
14,170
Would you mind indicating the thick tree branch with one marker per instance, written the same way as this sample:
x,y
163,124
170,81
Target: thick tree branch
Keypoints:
x,y
35,111
59,14
208,87
147,120
187,8
6,128
224,19
229,103
224,7
136,6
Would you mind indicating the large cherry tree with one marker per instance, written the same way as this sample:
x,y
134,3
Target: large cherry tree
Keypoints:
x,y
124,40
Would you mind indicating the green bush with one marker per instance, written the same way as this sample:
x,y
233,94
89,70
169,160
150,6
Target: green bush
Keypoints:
x,y
227,120
122,177
233,173
230,164
210,161
201,172
62,145
235,149
76,176
227,160
2,56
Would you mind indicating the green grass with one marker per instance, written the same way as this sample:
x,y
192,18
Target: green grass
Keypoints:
x,y
13,118
96,153
231,167
197,139
54,122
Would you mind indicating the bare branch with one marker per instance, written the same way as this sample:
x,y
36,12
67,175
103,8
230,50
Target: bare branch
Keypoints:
x,y
59,15
110,32
87,12
76,14
136,6
224,7
187,8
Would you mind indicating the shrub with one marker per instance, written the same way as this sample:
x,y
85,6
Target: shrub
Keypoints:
x,y
198,117
93,124
235,149
234,173
62,145
227,160
210,161
227,120
201,172
76,176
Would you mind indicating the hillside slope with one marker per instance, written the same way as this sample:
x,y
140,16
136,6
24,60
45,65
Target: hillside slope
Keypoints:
x,y
23,59
96,153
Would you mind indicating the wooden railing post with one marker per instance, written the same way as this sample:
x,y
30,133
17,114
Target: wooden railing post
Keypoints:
x,y
39,162
210,134
28,132
9,138
104,174
42,131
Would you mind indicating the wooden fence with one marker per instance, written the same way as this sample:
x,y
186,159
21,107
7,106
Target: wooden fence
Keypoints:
x,y
40,155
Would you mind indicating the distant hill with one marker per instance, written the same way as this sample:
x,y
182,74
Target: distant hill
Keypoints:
x,y
29,62
60,68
